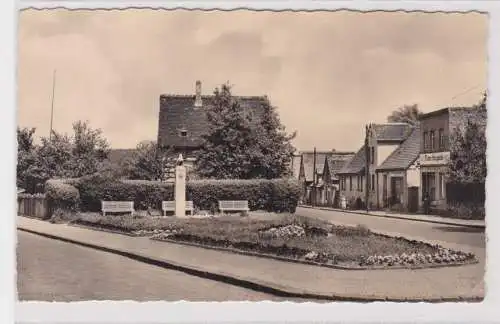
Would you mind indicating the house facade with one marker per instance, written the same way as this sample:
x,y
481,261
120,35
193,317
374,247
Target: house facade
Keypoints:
x,y
352,179
383,140
311,168
330,181
400,176
182,121
434,159
373,167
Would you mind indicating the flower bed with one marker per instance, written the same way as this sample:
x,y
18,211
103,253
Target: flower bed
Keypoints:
x,y
292,237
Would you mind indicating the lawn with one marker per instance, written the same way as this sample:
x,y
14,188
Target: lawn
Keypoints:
x,y
290,236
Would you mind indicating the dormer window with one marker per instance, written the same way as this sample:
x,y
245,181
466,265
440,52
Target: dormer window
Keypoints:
x,y
183,133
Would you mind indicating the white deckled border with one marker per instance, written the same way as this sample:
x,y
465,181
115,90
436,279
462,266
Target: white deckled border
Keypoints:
x,y
133,312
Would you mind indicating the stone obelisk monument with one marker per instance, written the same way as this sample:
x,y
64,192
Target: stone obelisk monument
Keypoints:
x,y
180,188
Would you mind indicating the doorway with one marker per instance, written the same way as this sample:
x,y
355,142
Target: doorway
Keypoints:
x,y
396,190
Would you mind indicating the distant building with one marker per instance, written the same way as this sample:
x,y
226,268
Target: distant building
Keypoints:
x,y
436,128
182,121
329,191
297,157
318,188
352,177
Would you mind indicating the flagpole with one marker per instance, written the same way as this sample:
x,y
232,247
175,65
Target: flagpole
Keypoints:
x,y
313,202
367,169
52,104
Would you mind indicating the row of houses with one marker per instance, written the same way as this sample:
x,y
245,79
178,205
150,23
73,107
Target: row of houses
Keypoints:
x,y
402,163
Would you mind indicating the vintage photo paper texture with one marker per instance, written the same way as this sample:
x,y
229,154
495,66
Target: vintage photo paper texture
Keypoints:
x,y
278,159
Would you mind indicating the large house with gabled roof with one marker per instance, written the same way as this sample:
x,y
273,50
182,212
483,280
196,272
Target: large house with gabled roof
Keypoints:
x,y
383,141
182,121
400,176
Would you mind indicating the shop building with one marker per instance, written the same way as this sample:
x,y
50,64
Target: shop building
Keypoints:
x,y
436,130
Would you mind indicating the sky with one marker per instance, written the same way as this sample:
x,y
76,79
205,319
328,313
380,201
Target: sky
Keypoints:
x,y
329,73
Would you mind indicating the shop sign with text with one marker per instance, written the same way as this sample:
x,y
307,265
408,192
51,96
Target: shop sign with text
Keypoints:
x,y
439,158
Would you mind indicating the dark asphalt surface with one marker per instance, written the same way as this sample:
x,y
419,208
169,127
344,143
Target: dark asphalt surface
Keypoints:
x,y
51,270
453,234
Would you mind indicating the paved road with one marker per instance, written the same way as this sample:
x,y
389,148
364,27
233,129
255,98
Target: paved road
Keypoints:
x,y
51,270
453,234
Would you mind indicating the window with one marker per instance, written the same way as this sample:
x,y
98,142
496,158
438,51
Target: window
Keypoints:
x,y
372,155
350,183
426,141
373,182
357,183
361,183
183,133
432,141
441,139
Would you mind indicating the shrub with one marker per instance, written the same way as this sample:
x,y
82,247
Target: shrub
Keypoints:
x,y
466,210
279,195
61,195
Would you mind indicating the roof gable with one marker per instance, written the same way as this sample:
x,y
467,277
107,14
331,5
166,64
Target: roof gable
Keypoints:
x,y
178,112
405,154
308,163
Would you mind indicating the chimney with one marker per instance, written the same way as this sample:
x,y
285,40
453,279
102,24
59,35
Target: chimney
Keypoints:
x,y
197,100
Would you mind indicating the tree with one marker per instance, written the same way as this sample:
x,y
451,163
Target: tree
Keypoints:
x,y
89,149
276,149
242,146
468,151
25,156
406,114
25,139
482,103
147,162
60,156
468,154
49,160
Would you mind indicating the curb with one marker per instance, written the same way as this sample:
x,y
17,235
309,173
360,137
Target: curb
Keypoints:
x,y
396,217
331,266
291,260
253,284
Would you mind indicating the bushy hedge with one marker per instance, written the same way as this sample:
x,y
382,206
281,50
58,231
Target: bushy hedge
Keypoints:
x,y
61,195
280,195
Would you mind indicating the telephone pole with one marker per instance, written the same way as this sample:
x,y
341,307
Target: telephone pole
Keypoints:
x,y
52,105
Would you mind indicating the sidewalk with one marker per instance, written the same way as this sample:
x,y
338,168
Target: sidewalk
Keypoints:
x,y
417,218
287,279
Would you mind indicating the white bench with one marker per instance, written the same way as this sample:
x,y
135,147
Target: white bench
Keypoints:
x,y
170,206
233,205
117,207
